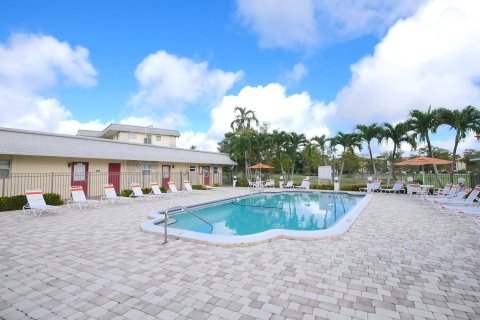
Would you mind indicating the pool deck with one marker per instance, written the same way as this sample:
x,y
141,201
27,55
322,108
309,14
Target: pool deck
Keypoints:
x,y
399,260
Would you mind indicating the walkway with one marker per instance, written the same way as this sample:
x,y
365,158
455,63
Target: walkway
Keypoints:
x,y
399,261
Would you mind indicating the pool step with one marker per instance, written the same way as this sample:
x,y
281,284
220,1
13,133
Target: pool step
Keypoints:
x,y
170,221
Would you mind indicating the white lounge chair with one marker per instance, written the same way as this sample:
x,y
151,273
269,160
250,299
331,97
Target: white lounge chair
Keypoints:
x,y
79,199
270,183
289,184
415,189
305,185
156,190
372,187
137,192
456,199
397,188
172,188
36,203
111,194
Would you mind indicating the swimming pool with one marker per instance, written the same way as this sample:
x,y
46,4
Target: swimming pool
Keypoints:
x,y
261,216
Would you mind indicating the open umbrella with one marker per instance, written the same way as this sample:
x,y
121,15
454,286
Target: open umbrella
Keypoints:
x,y
421,161
261,166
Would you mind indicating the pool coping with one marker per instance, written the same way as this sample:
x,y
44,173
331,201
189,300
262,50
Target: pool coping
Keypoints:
x,y
340,227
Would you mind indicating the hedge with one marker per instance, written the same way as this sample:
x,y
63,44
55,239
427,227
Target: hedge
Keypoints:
x,y
198,187
17,202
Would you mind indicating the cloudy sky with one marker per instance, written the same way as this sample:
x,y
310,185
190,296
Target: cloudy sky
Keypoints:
x,y
310,66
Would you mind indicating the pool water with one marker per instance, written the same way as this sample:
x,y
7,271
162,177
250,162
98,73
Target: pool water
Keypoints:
x,y
261,212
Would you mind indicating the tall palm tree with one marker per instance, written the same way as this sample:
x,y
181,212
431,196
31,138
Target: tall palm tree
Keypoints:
x,y
279,141
349,141
321,145
422,123
242,127
244,119
295,141
367,134
462,121
397,133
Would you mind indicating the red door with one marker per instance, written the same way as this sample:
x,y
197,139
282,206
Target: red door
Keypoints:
x,y
114,175
165,176
80,175
206,176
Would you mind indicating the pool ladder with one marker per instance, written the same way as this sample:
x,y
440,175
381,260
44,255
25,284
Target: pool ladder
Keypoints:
x,y
165,219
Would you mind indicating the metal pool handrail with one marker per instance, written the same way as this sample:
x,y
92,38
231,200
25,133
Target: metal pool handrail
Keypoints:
x,y
165,220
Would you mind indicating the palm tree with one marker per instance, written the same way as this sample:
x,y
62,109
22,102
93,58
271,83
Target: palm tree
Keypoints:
x,y
295,141
349,141
367,134
463,121
321,145
242,127
244,119
397,133
279,141
422,123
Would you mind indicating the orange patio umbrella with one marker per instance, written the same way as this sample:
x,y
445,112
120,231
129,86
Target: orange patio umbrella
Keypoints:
x,y
421,161
261,166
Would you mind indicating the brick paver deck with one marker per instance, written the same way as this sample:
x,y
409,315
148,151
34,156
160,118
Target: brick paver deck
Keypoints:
x,y
398,261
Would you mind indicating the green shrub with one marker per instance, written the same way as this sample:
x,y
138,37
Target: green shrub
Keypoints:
x,y
163,189
242,183
146,190
322,187
126,193
216,185
53,199
17,202
198,187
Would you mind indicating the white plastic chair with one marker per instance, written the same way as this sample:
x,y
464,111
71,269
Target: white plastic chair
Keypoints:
x,y
111,194
397,188
79,199
156,189
172,188
289,184
305,185
36,203
137,192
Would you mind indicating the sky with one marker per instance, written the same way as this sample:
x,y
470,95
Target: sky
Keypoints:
x,y
309,66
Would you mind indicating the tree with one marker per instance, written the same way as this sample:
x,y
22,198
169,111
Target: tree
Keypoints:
x,y
348,141
295,141
422,123
397,133
463,122
321,145
244,119
367,134
279,142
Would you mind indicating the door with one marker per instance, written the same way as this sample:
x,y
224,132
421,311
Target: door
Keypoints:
x,y
206,176
80,175
114,175
165,176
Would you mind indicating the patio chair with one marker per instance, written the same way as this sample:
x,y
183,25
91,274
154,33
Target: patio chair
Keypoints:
x,y
397,188
305,185
270,183
458,199
172,188
156,190
415,189
137,193
187,186
111,194
36,203
289,184
79,199
372,187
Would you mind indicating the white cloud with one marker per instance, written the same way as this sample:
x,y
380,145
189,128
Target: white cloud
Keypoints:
x,y
201,140
430,58
172,120
280,23
31,64
307,23
296,112
167,81
298,72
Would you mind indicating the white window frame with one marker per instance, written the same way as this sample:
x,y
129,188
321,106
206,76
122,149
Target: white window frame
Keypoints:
x,y
147,168
215,170
193,169
5,168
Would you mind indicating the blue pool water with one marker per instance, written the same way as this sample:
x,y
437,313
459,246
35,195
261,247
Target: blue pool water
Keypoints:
x,y
262,212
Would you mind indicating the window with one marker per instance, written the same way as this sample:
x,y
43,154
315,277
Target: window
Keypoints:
x,y
132,136
215,170
4,168
146,169
158,138
193,168
147,139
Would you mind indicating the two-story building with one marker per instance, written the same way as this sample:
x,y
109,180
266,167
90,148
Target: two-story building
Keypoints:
x,y
120,155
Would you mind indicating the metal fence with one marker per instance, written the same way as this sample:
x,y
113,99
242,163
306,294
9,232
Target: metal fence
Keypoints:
x,y
16,184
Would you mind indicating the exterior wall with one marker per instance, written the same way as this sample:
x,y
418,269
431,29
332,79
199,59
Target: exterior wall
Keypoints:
x,y
166,141
53,175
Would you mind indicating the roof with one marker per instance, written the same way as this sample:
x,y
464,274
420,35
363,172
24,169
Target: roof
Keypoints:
x,y
34,143
114,128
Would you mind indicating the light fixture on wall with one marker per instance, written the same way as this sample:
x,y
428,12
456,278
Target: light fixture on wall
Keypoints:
x,y
173,166
69,164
